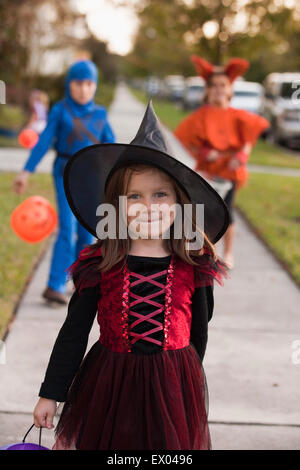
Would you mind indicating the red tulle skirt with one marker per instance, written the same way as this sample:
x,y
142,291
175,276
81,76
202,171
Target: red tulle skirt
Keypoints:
x,y
126,401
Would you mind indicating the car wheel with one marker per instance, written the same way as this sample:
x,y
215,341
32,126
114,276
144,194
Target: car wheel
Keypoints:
x,y
273,136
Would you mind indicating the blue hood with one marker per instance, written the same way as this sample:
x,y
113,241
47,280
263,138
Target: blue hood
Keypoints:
x,y
81,70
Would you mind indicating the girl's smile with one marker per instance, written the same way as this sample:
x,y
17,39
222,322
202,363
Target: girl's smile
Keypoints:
x,y
150,196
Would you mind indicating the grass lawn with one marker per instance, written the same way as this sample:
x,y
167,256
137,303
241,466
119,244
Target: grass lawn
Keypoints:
x,y
169,113
17,256
9,142
276,219
264,153
105,94
12,117
271,203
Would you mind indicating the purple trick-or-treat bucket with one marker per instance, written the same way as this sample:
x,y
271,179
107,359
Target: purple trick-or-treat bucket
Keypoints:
x,y
26,445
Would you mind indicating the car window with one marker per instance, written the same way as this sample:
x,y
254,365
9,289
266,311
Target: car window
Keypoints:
x,y
246,93
287,90
196,88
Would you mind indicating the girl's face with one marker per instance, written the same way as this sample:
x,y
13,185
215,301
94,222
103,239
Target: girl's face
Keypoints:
x,y
82,91
219,90
150,196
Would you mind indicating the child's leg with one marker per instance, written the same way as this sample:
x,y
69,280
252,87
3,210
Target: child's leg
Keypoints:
x,y
64,248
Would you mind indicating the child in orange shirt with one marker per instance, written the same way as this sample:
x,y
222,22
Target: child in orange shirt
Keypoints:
x,y
221,137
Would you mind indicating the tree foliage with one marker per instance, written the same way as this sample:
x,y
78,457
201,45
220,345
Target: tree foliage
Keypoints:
x,y
32,27
264,31
26,28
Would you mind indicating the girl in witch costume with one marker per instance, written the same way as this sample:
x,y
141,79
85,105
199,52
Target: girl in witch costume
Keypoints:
x,y
74,122
221,137
142,385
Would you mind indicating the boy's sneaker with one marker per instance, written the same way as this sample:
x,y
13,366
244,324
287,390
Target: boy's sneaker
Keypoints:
x,y
52,295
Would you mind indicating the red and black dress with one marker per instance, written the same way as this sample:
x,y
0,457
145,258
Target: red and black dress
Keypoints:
x,y
142,385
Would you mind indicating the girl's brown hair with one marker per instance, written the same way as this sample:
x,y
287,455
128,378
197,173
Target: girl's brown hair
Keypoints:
x,y
115,250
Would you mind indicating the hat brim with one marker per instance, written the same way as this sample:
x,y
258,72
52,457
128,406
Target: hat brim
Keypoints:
x,y
87,170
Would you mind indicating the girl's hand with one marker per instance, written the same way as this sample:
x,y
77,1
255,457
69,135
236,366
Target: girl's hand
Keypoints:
x,y
234,163
44,412
20,182
212,155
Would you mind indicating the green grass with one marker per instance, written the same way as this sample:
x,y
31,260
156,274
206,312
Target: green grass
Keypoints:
x,y
12,116
105,94
271,203
169,113
9,142
264,153
17,257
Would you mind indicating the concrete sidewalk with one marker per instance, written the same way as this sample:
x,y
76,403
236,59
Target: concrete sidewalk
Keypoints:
x,y
252,381
13,159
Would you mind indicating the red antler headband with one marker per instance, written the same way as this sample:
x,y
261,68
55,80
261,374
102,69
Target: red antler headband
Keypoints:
x,y
234,68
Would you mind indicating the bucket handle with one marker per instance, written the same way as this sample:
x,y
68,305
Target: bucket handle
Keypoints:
x,y
40,434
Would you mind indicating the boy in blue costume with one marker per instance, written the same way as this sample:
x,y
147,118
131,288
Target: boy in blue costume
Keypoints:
x,y
74,122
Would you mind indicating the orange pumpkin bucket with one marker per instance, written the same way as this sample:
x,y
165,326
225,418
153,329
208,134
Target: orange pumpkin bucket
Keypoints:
x,y
28,138
34,219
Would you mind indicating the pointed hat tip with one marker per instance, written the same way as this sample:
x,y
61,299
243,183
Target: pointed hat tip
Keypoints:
x,y
150,105
151,133
150,113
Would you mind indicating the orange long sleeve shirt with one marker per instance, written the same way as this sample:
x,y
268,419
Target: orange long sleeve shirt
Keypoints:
x,y
225,130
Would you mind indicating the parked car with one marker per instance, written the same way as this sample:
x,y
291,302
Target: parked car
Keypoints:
x,y
281,106
175,87
193,92
248,96
155,87
152,86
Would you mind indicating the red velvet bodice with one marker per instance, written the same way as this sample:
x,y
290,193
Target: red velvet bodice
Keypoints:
x,y
117,301
114,306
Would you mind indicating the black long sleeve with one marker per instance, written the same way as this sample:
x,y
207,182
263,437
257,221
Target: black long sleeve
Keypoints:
x,y
202,310
70,345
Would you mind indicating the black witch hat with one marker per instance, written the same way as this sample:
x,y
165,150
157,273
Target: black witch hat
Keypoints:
x,y
88,171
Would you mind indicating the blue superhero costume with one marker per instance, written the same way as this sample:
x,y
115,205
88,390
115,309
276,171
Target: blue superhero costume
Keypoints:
x,y
71,127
